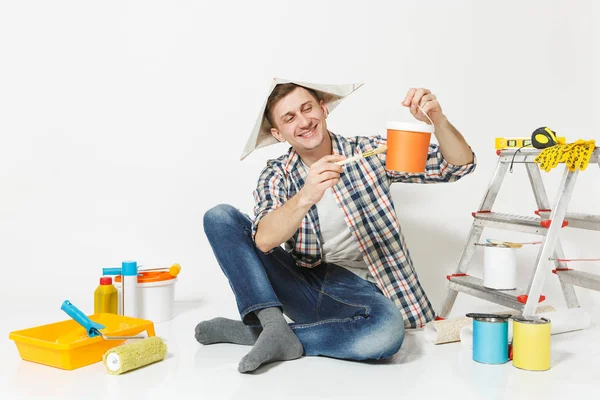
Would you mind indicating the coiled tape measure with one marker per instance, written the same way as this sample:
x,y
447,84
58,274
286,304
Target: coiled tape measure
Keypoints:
x,y
540,139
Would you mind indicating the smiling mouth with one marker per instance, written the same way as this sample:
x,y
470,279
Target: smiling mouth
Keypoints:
x,y
309,133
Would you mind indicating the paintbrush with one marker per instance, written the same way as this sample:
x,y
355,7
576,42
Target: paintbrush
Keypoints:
x,y
514,245
357,157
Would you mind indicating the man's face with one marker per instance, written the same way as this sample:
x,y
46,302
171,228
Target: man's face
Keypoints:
x,y
300,120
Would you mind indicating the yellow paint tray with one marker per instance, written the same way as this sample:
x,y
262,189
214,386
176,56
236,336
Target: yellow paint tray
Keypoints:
x,y
67,345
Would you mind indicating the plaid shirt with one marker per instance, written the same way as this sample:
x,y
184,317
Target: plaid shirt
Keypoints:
x,y
364,195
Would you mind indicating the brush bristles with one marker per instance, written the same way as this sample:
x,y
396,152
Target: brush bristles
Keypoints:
x,y
376,151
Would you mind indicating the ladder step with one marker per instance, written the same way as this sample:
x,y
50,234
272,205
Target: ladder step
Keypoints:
x,y
579,278
511,222
473,286
577,220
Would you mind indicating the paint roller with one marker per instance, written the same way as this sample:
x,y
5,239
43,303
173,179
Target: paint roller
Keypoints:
x,y
126,357
130,356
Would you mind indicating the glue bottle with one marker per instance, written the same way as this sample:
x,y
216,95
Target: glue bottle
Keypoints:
x,y
106,297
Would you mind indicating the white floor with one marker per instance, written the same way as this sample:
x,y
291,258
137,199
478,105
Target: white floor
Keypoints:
x,y
419,370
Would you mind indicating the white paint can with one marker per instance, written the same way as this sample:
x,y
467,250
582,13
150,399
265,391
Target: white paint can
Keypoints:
x,y
499,268
156,295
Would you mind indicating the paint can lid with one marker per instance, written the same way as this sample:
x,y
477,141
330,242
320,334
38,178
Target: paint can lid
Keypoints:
x,y
488,317
531,320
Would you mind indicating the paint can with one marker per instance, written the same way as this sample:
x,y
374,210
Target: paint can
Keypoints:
x,y
156,295
499,268
531,343
490,338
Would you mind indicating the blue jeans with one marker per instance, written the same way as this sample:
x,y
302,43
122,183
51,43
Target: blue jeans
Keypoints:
x,y
335,312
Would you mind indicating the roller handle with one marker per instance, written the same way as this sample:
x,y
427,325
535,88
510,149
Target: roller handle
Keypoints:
x,y
111,271
91,327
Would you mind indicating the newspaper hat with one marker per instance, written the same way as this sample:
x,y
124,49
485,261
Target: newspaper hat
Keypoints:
x,y
332,95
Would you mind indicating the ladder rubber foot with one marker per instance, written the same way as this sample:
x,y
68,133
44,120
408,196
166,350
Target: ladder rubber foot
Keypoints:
x,y
523,298
439,319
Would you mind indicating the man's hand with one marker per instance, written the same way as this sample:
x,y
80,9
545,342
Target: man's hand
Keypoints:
x,y
453,145
322,175
280,224
427,101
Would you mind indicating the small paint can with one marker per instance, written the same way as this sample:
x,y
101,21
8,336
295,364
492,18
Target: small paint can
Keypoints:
x,y
490,338
531,343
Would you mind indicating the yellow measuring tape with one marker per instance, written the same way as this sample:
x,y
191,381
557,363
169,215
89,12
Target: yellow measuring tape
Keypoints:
x,y
575,155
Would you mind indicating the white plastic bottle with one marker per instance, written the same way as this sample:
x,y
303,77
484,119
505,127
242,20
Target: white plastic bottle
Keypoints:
x,y
129,293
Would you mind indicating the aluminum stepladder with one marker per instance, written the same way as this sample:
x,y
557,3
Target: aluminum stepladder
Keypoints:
x,y
547,223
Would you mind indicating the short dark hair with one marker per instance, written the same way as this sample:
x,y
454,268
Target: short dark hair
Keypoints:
x,y
279,92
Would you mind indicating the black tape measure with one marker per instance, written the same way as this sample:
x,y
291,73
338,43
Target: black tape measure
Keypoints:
x,y
543,137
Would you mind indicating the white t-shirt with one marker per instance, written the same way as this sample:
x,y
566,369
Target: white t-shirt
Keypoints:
x,y
338,244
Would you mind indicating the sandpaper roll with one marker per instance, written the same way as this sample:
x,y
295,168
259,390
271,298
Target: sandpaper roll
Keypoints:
x,y
130,356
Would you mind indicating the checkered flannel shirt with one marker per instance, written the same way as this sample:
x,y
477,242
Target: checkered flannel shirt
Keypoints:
x,y
364,195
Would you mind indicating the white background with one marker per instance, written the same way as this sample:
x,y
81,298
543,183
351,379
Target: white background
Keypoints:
x,y
122,123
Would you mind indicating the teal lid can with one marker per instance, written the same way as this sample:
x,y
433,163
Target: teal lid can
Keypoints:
x,y
129,268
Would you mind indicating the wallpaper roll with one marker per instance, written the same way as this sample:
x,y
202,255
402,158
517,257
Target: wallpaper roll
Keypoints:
x,y
449,330
561,321
446,331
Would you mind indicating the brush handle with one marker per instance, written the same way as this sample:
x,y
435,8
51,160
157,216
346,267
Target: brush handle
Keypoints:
x,y
111,271
357,157
349,160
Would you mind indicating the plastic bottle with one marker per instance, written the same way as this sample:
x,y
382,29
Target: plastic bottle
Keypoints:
x,y
106,298
129,282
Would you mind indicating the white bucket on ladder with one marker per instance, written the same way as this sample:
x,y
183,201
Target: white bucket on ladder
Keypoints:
x,y
499,268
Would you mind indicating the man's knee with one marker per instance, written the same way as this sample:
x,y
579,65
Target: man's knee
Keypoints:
x,y
220,215
384,338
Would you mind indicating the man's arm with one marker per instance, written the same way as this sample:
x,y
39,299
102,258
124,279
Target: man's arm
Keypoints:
x,y
453,145
280,224
278,219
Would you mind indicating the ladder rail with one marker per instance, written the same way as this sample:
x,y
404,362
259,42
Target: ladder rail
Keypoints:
x,y
541,199
549,243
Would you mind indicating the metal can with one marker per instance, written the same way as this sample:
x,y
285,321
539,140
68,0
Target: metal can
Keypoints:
x,y
531,343
490,338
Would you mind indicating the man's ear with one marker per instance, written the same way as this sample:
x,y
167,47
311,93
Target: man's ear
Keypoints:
x,y
277,135
324,108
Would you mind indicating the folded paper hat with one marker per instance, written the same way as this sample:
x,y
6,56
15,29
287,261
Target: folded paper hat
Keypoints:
x,y
332,95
